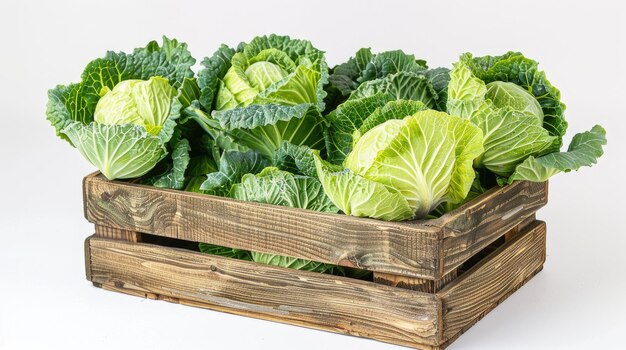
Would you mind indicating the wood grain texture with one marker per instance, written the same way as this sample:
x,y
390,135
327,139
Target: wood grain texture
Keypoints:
x,y
332,303
512,233
116,233
413,283
427,249
485,285
477,224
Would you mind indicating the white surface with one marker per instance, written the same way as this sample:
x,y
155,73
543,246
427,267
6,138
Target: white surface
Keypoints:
x,y
577,302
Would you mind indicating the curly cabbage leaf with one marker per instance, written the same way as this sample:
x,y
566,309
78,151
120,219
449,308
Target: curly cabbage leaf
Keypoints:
x,y
295,159
358,196
118,151
232,168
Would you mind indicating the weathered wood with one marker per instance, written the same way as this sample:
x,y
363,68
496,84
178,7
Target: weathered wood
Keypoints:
x,y
338,304
474,226
428,249
413,283
488,283
116,233
310,299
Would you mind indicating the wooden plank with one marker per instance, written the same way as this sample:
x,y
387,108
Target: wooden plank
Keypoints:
x,y
404,248
519,228
474,226
116,233
426,249
413,283
320,301
485,285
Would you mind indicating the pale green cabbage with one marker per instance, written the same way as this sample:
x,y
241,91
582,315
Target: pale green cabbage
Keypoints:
x,y
405,168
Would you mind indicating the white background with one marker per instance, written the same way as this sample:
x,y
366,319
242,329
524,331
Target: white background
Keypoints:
x,y
577,302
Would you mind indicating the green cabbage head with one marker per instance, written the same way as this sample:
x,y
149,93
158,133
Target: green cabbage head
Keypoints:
x,y
267,91
122,113
404,168
521,116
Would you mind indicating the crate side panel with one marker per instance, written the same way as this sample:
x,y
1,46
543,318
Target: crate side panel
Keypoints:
x,y
401,248
480,222
320,301
485,285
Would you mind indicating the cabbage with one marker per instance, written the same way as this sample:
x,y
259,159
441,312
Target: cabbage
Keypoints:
x,y
521,116
370,81
266,92
122,114
404,168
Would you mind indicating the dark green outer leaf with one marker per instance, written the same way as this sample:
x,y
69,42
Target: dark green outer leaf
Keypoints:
x,y
439,79
391,62
175,177
343,78
233,166
297,159
392,110
265,127
347,118
189,92
208,78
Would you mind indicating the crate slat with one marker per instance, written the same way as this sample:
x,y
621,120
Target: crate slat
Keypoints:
x,y
427,249
310,299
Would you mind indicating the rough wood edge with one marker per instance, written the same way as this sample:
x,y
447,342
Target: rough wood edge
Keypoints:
x,y
519,228
416,226
116,233
88,257
417,284
360,287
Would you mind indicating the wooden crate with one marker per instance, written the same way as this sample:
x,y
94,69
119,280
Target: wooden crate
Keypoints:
x,y
432,279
